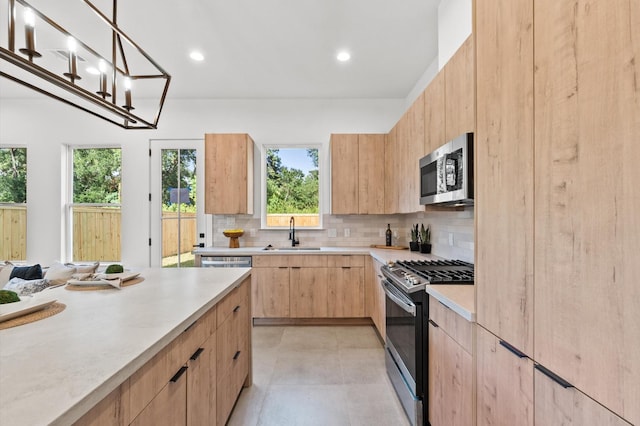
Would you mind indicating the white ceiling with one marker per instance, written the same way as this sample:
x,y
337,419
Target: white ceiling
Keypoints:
x,y
272,48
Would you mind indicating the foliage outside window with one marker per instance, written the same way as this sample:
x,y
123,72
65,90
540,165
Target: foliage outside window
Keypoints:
x,y
13,207
95,207
179,180
292,186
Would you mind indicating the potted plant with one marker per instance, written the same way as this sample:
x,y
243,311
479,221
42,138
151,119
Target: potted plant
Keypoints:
x,y
414,244
425,239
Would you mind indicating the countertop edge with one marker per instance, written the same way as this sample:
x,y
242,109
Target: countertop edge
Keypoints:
x,y
449,302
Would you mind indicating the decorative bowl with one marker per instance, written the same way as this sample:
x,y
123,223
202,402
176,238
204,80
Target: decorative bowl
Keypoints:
x,y
233,233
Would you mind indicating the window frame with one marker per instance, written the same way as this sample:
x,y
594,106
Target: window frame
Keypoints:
x,y
263,183
69,204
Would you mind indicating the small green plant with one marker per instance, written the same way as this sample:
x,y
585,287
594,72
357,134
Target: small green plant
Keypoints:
x,y
414,233
425,234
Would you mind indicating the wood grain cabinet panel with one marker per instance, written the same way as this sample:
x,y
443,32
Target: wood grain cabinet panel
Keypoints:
x,y
346,292
450,380
374,295
169,407
459,76
504,383
309,292
391,183
557,405
201,384
344,174
270,292
228,173
504,170
111,411
434,118
371,173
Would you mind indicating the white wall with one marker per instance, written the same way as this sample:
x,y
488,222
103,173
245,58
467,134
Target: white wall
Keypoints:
x,y
45,126
455,19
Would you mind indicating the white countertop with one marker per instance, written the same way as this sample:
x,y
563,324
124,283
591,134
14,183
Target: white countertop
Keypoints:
x,y
255,251
54,370
459,298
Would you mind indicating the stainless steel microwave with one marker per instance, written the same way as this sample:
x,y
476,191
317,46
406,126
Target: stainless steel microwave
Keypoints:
x,y
446,175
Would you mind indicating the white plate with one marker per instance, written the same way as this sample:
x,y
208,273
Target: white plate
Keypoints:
x,y
124,276
26,305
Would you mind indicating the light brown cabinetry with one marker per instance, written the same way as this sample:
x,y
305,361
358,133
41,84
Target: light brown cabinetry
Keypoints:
x,y
504,384
504,170
587,128
434,114
391,173
270,287
195,379
228,173
357,173
374,295
459,77
409,147
558,405
309,292
450,367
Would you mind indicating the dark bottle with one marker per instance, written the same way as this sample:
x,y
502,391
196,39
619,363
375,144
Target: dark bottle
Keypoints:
x,y
389,234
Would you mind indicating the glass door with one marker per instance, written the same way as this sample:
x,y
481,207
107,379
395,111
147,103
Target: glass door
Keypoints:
x,y
177,207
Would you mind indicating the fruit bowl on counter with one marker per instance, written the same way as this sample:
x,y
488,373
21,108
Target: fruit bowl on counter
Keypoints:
x,y
233,235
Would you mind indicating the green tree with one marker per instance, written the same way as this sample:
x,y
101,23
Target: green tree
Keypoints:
x,y
13,175
97,175
184,162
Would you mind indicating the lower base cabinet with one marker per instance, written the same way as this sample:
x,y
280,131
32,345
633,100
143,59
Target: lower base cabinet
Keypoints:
x,y
195,380
504,383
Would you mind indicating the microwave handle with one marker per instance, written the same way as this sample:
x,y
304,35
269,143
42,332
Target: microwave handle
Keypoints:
x,y
407,307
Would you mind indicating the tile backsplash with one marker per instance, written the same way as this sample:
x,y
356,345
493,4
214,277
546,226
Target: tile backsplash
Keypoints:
x,y
451,231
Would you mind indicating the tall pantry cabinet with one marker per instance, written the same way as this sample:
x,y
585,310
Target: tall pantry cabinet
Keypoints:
x,y
558,124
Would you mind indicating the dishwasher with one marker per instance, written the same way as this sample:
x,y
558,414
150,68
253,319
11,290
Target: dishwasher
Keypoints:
x,y
211,261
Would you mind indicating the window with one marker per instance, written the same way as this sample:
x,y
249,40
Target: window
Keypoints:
x,y
13,203
94,207
292,187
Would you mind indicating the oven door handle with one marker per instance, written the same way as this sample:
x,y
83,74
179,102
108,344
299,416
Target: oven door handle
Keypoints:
x,y
406,306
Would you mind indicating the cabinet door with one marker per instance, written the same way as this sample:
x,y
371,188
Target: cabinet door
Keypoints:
x,y
346,292
309,290
270,292
228,174
587,128
112,410
450,380
504,170
390,173
459,76
169,407
434,126
557,405
201,384
504,384
412,154
371,174
344,174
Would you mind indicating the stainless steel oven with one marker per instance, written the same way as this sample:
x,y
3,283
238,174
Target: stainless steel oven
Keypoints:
x,y
404,348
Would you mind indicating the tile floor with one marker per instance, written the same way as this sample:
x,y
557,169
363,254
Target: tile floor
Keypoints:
x,y
318,375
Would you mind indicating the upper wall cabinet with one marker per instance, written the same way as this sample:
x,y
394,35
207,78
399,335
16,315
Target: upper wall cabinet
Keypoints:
x,y
434,131
357,173
504,170
228,173
587,128
390,173
460,92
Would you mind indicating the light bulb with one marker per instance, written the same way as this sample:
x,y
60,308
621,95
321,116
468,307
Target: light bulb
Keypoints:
x,y
29,18
72,45
102,66
127,83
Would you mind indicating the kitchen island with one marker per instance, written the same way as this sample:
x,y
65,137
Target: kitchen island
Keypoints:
x,y
55,370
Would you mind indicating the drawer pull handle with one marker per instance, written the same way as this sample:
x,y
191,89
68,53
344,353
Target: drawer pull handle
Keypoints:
x,y
346,267
191,325
236,309
512,349
433,323
177,376
553,376
295,267
196,354
283,267
236,355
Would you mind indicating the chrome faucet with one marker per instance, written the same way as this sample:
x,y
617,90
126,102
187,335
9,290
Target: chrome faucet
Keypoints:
x,y
292,232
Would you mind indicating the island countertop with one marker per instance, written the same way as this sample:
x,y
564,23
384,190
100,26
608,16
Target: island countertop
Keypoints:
x,y
54,370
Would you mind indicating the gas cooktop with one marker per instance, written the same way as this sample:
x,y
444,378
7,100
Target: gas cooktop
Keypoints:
x,y
414,275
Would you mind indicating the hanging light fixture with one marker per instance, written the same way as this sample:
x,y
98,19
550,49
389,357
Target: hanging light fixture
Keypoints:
x,y
123,63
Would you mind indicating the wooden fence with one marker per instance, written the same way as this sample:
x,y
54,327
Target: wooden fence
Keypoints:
x,y
13,232
312,219
96,233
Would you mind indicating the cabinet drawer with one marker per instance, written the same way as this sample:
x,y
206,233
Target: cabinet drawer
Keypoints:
x,y
232,340
269,261
229,385
149,380
458,328
308,261
234,301
348,260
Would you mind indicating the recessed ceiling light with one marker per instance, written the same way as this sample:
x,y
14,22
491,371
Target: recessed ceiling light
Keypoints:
x,y
196,56
343,56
